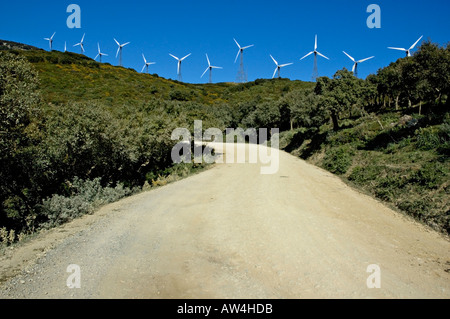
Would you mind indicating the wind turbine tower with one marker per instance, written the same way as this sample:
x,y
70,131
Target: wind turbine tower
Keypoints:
x,y
100,54
407,51
81,44
355,65
315,74
50,41
278,68
180,78
147,64
210,67
242,75
119,50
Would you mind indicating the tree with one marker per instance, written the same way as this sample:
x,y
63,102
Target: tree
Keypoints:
x,y
339,94
19,132
434,72
304,108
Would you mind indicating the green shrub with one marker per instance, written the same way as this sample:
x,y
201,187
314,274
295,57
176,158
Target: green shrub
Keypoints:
x,y
362,175
338,160
431,175
177,95
85,197
428,138
388,187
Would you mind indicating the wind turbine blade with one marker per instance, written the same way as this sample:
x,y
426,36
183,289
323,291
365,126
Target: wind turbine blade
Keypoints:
x,y
360,61
322,55
307,55
77,44
400,49
174,57
248,46
98,44
237,43
53,35
47,39
274,59
207,58
179,66
82,39
351,58
186,56
118,49
145,61
96,56
237,56
82,47
283,65
412,47
315,44
216,67
354,67
205,72
104,54
125,44
117,42
143,68
274,72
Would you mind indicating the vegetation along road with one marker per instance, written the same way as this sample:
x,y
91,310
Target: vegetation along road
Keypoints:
x,y
231,232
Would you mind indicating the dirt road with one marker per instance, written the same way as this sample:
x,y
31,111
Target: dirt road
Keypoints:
x,y
231,232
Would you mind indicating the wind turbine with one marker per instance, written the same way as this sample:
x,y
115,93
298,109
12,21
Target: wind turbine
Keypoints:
x,y
355,65
408,52
81,44
50,40
210,67
180,78
147,64
65,46
316,53
278,67
119,49
100,54
241,76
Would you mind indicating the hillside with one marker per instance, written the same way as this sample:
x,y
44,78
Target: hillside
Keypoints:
x,y
67,76
77,133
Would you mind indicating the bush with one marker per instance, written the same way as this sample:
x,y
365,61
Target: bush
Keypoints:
x,y
361,175
85,197
428,138
431,175
338,160
177,95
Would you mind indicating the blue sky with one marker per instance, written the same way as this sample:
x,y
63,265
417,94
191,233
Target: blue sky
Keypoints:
x,y
283,28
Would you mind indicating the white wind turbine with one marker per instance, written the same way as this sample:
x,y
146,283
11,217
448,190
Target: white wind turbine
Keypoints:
x,y
355,65
147,64
100,54
241,77
408,52
180,78
278,67
81,44
316,53
50,41
119,49
210,67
